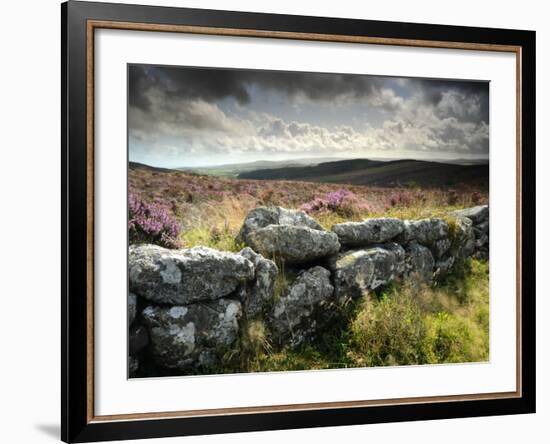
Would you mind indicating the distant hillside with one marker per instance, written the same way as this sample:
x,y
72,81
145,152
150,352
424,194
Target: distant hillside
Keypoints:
x,y
462,161
142,166
234,169
375,172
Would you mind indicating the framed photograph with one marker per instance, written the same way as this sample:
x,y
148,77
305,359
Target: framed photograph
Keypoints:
x,y
275,221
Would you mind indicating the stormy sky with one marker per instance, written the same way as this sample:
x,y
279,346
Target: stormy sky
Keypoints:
x,y
180,116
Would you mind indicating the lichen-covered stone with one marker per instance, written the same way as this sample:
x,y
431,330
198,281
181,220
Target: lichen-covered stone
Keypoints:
x,y
483,227
368,232
424,231
477,214
481,238
197,335
355,272
132,308
184,276
464,237
257,294
419,262
293,244
261,217
443,266
304,308
440,247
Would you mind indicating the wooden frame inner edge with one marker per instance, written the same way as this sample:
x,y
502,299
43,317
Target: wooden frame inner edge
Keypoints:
x,y
90,28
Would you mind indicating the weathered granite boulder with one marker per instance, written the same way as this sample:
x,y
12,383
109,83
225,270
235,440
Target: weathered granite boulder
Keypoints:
x,y
368,232
480,226
440,247
444,265
425,231
481,238
293,244
477,214
261,217
483,227
184,276
419,262
464,237
257,295
304,308
132,308
355,272
197,335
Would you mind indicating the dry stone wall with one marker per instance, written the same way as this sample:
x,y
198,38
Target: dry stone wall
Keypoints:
x,y
187,308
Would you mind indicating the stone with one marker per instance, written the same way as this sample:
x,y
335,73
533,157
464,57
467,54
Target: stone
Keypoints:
x,y
192,336
483,227
419,262
355,272
304,308
464,237
476,214
425,231
293,244
138,339
440,247
482,253
370,231
481,239
261,217
184,276
443,266
132,307
258,293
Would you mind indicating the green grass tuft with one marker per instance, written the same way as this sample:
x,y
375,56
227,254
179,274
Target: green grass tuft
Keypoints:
x,y
223,240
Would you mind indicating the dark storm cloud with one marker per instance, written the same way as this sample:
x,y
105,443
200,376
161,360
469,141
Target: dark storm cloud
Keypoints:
x,y
216,84
433,92
185,110
206,84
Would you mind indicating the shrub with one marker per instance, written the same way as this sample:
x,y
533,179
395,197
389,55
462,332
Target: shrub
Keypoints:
x,y
476,198
151,223
452,197
342,202
401,198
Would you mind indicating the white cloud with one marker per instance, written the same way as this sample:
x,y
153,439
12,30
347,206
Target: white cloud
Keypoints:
x,y
413,124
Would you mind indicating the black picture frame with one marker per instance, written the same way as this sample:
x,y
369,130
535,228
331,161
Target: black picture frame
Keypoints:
x,y
76,423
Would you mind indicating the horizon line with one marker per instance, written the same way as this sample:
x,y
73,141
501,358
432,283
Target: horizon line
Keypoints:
x,y
381,159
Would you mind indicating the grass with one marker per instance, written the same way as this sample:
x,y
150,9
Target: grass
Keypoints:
x,y
223,240
405,324
419,324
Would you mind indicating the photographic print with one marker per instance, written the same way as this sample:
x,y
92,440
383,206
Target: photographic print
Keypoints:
x,y
285,221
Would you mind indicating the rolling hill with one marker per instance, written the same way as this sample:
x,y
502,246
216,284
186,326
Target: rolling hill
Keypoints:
x,y
234,169
145,167
381,173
